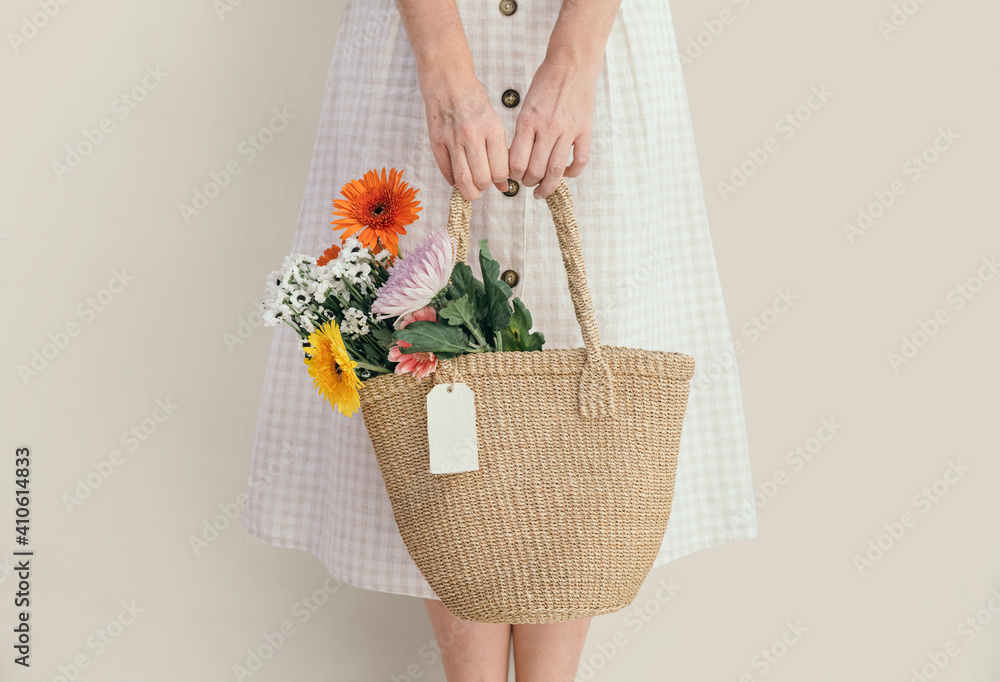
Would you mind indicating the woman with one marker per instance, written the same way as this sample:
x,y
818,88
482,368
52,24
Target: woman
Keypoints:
x,y
477,93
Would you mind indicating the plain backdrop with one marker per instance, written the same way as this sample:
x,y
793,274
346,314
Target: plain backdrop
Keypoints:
x,y
128,328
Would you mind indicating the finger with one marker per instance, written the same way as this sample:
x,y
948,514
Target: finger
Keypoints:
x,y
539,161
554,172
581,154
496,151
479,164
463,176
443,158
520,150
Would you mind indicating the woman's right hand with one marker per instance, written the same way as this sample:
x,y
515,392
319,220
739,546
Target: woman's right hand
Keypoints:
x,y
466,134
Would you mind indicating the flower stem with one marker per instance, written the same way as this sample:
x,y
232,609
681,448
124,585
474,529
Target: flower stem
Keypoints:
x,y
475,332
373,368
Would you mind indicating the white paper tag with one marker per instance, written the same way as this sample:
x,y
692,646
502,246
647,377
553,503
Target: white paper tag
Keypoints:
x,y
451,429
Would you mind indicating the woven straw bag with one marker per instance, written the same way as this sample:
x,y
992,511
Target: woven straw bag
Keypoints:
x,y
577,459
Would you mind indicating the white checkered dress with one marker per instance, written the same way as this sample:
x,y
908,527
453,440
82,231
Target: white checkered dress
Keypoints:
x,y
313,481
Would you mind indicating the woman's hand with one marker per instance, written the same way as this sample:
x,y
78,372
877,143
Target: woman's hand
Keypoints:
x,y
557,113
558,109
467,136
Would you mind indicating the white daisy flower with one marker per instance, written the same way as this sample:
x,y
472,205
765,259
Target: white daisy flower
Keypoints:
x,y
355,323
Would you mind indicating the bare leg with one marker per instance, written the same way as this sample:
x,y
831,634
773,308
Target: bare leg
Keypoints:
x,y
549,652
470,652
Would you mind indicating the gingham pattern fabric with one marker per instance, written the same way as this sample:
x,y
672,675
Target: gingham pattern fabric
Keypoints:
x,y
313,481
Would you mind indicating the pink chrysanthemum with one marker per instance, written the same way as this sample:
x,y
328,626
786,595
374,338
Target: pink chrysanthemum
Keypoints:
x,y
416,278
418,364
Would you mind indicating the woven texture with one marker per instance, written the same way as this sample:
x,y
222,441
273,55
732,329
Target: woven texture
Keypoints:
x,y
312,482
577,462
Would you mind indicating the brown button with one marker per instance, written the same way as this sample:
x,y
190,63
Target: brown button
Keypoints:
x,y
510,98
512,187
510,277
508,7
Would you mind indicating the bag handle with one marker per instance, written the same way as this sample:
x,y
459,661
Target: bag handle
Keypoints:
x,y
596,382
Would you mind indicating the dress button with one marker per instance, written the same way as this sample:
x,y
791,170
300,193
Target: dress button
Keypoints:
x,y
508,7
512,187
510,277
511,97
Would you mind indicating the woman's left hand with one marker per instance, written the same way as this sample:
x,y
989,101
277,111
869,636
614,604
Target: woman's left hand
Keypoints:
x,y
556,114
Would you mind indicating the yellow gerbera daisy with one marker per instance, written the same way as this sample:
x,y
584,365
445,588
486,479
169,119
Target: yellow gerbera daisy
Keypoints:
x,y
332,369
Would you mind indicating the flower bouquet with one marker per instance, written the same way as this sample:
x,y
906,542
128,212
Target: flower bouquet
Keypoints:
x,y
363,310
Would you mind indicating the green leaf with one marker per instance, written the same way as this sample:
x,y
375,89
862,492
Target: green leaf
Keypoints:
x,y
459,311
517,336
521,319
383,335
497,292
434,337
464,282
534,341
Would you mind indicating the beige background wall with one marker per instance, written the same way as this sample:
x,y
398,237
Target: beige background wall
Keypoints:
x,y
162,335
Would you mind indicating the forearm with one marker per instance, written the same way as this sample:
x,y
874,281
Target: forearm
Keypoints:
x,y
581,31
435,33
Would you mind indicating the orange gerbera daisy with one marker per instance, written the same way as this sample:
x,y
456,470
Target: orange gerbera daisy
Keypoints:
x,y
328,255
380,208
